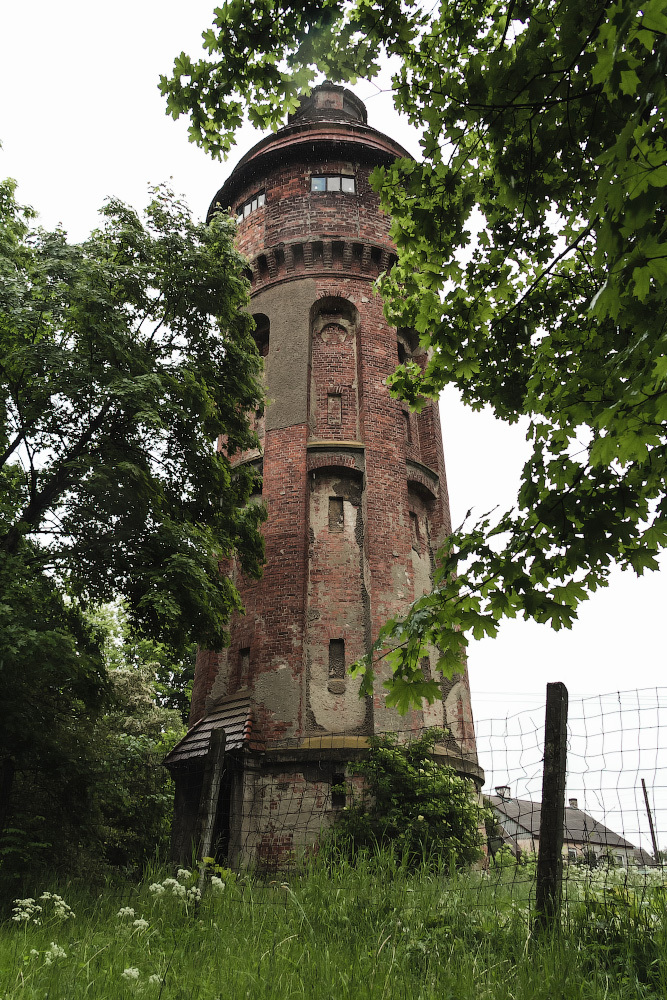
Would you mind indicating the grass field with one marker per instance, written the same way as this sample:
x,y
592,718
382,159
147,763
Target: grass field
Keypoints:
x,y
376,931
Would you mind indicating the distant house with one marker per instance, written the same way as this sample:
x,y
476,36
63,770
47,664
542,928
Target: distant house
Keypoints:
x,y
584,838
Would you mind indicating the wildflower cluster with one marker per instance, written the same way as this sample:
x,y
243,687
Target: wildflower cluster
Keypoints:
x,y
127,912
28,910
132,975
61,910
51,955
219,877
54,953
177,887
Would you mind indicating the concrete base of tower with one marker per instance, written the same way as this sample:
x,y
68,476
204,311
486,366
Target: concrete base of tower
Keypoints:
x,y
275,804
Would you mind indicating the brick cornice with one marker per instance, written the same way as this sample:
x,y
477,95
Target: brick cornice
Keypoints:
x,y
355,258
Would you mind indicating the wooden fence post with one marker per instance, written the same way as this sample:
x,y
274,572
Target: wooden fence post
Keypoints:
x,y
552,819
210,792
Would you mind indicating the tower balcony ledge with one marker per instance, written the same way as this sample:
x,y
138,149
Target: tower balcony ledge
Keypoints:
x,y
326,453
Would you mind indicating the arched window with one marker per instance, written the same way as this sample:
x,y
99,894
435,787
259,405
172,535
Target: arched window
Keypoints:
x,y
334,379
261,333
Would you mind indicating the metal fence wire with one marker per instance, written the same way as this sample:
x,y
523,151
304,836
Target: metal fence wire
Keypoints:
x,y
270,806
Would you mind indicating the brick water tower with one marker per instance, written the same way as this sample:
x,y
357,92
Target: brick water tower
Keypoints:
x,y
355,490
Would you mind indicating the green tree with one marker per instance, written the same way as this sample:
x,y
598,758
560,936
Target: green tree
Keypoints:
x,y
134,793
532,262
53,686
83,738
122,361
412,803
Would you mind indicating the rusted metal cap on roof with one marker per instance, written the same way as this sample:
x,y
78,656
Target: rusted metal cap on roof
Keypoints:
x,y
330,102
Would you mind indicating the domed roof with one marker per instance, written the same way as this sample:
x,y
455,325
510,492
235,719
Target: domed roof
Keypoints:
x,y
330,119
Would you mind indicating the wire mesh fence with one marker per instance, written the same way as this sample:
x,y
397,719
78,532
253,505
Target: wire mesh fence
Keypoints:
x,y
280,801
276,804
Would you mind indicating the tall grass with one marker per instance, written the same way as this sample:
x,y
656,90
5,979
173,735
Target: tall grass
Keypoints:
x,y
372,931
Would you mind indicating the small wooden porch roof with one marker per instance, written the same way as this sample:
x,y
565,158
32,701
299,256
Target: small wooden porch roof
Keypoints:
x,y
233,715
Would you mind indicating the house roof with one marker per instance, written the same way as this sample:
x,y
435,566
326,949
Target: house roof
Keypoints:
x,y
233,715
579,827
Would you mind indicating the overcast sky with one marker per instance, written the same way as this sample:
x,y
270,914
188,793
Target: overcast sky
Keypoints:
x,y
81,118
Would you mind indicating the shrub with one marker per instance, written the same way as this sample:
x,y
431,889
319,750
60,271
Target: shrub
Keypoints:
x,y
413,803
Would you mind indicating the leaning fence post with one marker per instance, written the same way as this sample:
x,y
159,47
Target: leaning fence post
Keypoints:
x,y
208,802
656,853
550,853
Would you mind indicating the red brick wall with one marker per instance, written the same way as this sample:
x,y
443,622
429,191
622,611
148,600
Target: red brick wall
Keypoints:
x,y
293,212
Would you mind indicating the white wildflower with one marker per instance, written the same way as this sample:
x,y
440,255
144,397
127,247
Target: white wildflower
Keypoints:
x,y
420,818
157,888
193,894
33,952
140,924
217,884
61,909
130,973
25,910
183,874
154,979
125,911
54,953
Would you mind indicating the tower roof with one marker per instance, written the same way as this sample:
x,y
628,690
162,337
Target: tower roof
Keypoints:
x,y
330,102
330,121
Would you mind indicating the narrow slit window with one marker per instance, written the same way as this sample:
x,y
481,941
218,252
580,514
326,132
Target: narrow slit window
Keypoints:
x,y
414,530
336,659
336,517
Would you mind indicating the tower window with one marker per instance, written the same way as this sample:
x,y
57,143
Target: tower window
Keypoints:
x,y
336,518
261,333
425,664
334,409
244,210
338,795
333,182
336,659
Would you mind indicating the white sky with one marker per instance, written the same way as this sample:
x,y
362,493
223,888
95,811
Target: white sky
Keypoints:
x,y
81,118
